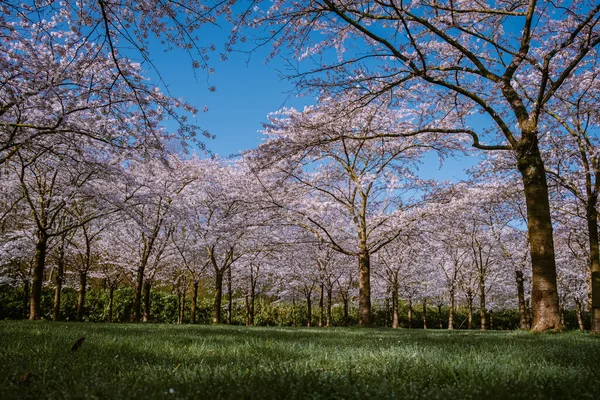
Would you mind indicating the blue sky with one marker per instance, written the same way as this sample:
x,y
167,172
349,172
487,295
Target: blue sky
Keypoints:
x,y
247,89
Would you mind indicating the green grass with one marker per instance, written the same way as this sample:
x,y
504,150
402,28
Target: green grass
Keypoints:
x,y
212,362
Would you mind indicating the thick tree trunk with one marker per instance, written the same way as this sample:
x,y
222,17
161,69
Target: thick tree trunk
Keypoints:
x,y
451,311
425,314
81,296
579,316
482,302
395,311
194,301
216,317
544,295
469,311
147,288
111,295
523,315
308,310
364,289
38,276
229,297
592,220
321,305
58,285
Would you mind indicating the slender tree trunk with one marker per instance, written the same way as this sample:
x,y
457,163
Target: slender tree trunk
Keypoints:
x,y
491,320
181,308
229,297
38,276
216,318
58,288
346,300
308,310
395,311
329,301
440,316
111,294
26,295
579,316
592,220
321,305
410,313
451,311
482,302
469,311
364,288
147,287
523,317
386,305
424,313
194,301
81,296
544,295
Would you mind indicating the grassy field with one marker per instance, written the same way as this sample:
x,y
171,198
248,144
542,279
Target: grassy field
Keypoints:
x,y
212,362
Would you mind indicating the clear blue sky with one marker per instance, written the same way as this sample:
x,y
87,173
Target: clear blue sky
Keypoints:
x,y
247,89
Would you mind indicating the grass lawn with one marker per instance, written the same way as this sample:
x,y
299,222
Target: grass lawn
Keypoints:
x,y
212,362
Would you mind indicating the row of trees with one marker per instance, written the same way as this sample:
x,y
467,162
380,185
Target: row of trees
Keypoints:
x,y
79,122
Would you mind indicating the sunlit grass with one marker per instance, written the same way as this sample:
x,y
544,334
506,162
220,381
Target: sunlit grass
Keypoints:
x,y
166,361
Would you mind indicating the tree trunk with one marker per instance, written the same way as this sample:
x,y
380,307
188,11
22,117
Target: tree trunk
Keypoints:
x,y
523,315
592,220
308,310
469,311
544,295
346,300
194,301
329,301
491,320
579,317
58,282
216,317
482,302
81,296
229,297
425,314
147,288
137,295
364,289
181,308
38,276
321,305
451,311
410,313
26,295
440,316
395,311
111,294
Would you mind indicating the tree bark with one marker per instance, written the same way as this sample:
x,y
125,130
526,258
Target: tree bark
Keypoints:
x,y
308,310
544,295
425,314
147,287
182,309
482,302
592,220
364,288
111,294
216,317
321,305
137,295
523,314
579,317
410,313
395,311
38,275
469,311
229,297
491,320
440,316
329,301
194,301
26,295
346,311
58,282
81,295
451,311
